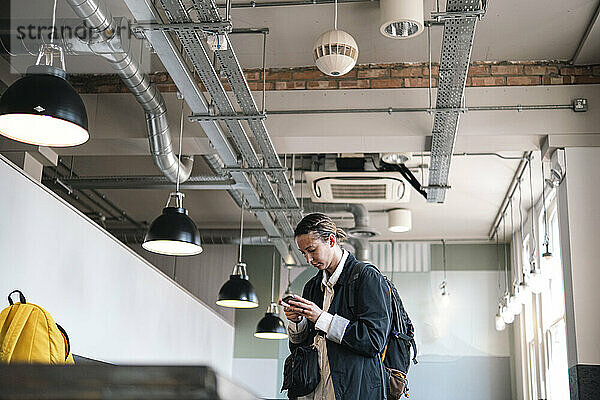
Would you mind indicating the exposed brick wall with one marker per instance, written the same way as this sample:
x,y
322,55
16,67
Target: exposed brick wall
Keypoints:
x,y
377,76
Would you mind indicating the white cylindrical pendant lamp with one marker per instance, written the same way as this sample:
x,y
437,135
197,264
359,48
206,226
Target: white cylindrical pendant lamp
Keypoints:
x,y
401,19
399,220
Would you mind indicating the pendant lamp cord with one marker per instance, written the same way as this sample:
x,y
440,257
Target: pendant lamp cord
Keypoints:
x,y
444,258
499,289
335,16
512,231
504,251
289,268
180,140
273,277
533,241
546,234
53,32
241,231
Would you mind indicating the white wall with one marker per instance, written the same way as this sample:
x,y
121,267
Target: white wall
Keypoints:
x,y
115,306
579,218
466,326
461,355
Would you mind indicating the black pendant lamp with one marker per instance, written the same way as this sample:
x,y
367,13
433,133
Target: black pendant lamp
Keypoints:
x,y
238,292
42,108
271,326
173,232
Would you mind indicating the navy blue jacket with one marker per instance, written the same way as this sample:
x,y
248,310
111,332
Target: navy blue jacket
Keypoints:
x,y
356,368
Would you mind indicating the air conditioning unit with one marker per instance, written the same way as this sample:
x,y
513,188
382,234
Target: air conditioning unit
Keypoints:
x,y
357,187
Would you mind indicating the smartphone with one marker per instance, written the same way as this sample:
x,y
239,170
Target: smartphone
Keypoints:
x,y
286,299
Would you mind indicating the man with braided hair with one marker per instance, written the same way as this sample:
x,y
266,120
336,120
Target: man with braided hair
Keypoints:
x,y
348,324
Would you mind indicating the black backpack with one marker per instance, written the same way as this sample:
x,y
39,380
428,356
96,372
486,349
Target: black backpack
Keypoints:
x,y
402,336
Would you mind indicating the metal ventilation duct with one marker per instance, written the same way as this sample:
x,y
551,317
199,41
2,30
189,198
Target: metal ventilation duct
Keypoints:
x,y
459,30
97,16
362,226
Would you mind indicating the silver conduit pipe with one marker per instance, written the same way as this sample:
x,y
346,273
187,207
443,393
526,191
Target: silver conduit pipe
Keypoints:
x,y
207,236
361,229
362,249
98,17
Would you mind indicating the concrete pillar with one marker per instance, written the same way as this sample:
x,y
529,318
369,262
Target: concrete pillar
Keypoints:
x,y
579,219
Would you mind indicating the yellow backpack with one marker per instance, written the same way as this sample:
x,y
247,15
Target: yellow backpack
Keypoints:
x,y
28,334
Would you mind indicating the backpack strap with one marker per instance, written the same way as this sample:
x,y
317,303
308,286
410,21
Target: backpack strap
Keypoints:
x,y
21,297
66,340
17,324
354,275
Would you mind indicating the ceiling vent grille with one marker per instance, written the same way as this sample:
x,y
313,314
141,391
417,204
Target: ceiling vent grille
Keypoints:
x,y
357,187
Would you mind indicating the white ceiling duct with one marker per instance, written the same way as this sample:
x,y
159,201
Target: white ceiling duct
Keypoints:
x,y
401,19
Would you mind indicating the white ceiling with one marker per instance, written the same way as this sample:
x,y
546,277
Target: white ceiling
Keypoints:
x,y
511,30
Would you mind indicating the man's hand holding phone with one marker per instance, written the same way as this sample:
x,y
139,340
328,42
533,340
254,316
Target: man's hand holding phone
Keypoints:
x,y
295,307
290,311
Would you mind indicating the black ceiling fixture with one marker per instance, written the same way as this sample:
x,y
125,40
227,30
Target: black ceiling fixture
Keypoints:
x,y
173,232
42,108
238,292
271,326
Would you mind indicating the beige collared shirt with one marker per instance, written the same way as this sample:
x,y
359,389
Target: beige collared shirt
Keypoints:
x,y
333,325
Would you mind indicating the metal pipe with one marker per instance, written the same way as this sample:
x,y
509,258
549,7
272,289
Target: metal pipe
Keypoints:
x,y
254,4
428,153
585,35
97,16
509,193
102,196
362,249
390,110
207,236
149,182
359,234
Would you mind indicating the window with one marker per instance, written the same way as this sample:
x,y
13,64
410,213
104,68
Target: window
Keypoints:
x,y
553,311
